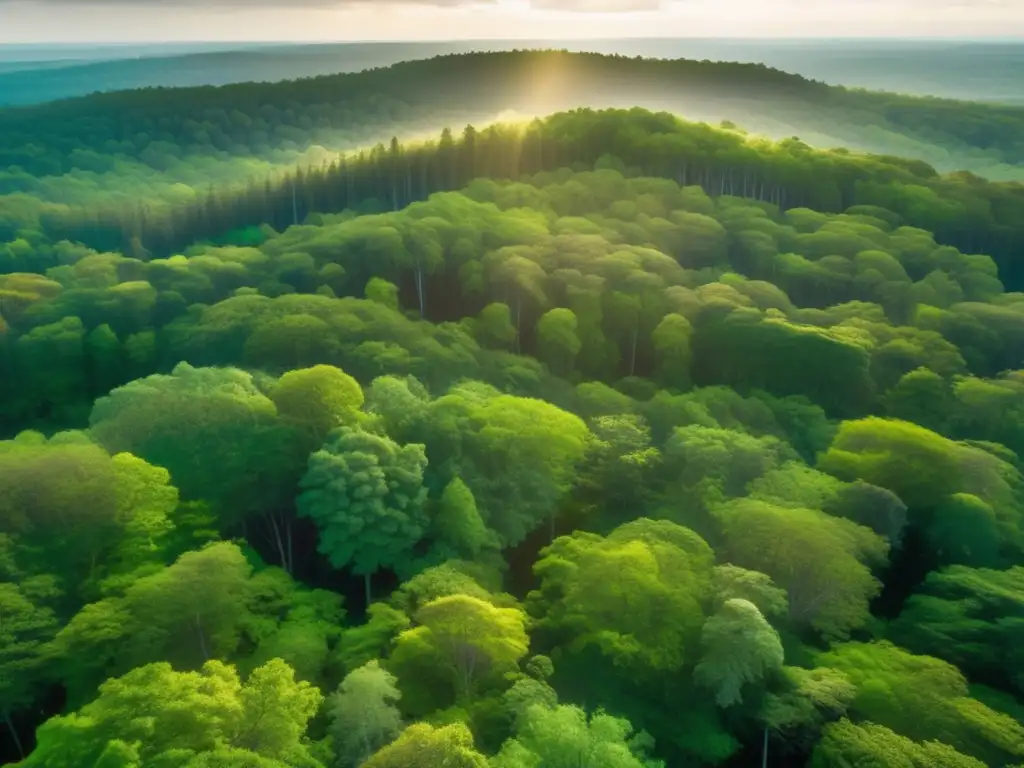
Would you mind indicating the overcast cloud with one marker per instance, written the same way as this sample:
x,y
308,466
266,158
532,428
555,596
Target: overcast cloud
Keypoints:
x,y
153,20
578,6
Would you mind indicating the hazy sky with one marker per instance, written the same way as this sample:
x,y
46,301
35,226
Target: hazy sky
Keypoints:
x,y
151,20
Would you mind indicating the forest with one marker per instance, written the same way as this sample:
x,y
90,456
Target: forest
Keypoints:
x,y
605,439
988,71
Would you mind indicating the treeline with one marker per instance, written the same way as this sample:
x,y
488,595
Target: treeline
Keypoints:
x,y
962,210
157,125
581,464
596,274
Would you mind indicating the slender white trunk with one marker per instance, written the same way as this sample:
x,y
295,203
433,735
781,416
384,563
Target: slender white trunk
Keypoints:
x,y
421,291
14,735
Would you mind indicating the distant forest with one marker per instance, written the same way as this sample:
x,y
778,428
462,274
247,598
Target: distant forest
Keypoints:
x,y
956,69
98,168
205,118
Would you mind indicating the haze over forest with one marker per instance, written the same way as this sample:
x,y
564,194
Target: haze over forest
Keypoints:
x,y
957,69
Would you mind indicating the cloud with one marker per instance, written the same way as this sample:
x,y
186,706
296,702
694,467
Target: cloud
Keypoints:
x,y
598,6
246,4
578,6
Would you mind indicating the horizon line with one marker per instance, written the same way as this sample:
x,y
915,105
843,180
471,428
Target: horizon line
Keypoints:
x,y
600,38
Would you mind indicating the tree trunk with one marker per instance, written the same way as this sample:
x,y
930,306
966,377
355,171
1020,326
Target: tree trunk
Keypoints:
x,y
764,751
369,592
279,542
421,290
14,734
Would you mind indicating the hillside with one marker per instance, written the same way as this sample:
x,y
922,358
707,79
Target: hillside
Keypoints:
x,y
255,118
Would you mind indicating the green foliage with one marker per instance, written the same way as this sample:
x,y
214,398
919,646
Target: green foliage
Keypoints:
x,y
558,343
923,698
318,399
365,494
290,622
442,580
470,641
637,595
963,498
363,715
739,648
363,644
457,524
917,465
672,344
823,562
517,455
157,714
423,746
27,624
603,350
94,518
970,618
870,745
382,292
725,458
730,582
565,737
803,703
206,605
213,428
187,613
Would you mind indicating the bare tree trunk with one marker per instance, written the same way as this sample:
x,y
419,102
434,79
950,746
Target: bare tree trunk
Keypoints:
x,y
369,592
279,542
420,290
764,751
14,734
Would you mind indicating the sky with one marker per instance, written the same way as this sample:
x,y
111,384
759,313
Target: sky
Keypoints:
x,y
37,21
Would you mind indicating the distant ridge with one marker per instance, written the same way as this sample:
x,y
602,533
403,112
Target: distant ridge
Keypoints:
x,y
452,86
957,69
